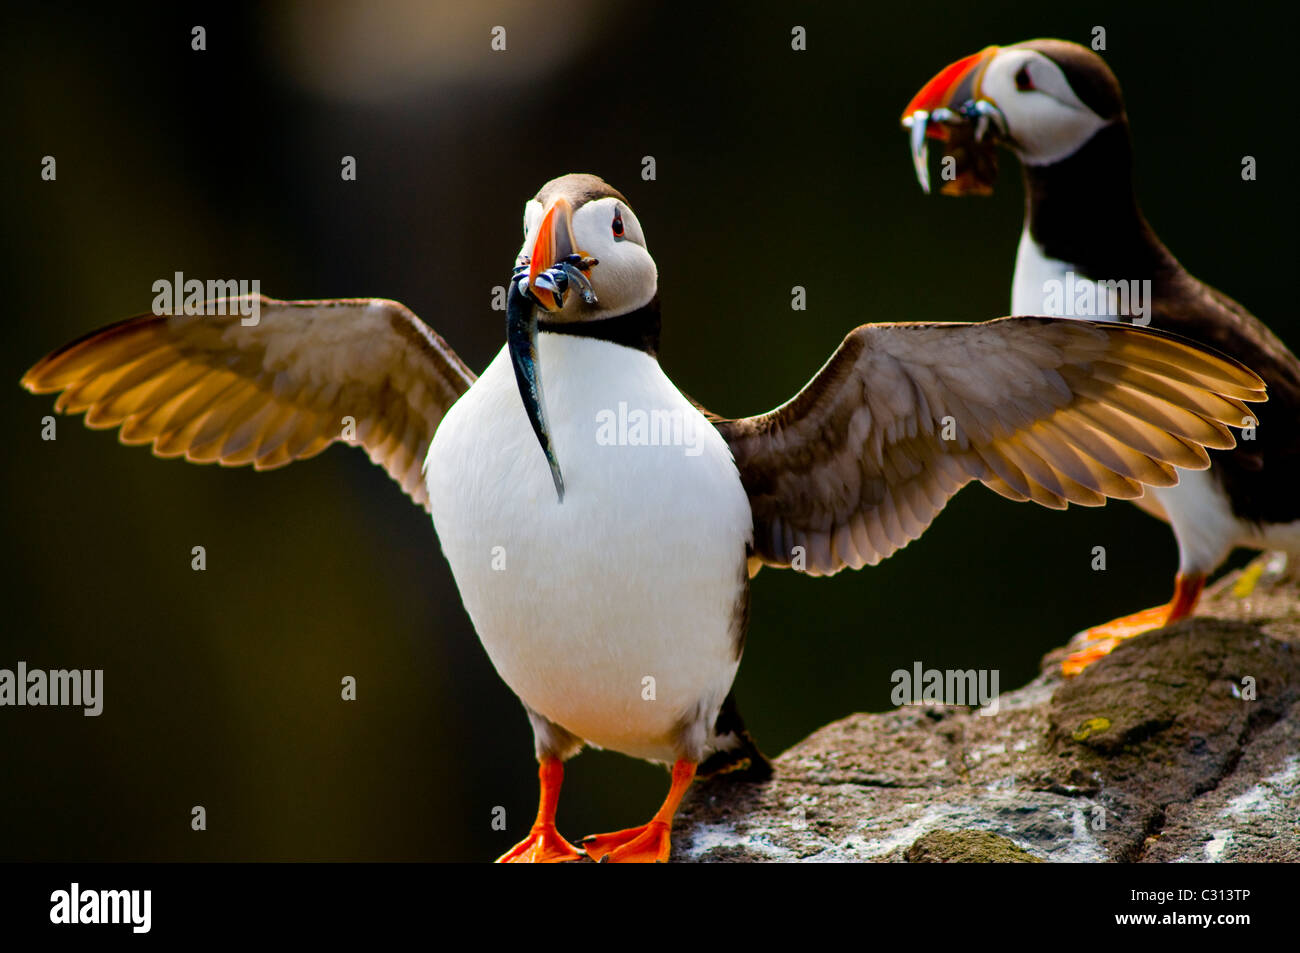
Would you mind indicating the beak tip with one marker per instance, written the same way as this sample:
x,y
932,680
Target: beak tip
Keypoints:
x,y
917,121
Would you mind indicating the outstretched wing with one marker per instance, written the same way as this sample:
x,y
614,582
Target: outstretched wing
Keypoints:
x,y
1056,411
213,389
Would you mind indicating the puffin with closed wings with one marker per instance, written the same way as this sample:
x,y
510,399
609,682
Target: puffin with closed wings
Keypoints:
x,y
1059,108
629,549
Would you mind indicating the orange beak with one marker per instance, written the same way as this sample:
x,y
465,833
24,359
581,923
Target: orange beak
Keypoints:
x,y
950,107
554,243
954,84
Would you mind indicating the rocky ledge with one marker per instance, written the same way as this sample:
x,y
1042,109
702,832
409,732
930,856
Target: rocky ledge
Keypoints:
x,y
1182,745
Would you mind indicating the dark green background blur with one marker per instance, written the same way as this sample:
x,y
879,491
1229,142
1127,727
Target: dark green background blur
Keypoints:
x,y
775,168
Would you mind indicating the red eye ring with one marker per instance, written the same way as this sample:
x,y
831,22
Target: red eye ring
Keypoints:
x,y
617,226
1023,81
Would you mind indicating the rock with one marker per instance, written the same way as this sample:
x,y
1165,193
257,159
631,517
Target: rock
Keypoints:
x,y
966,847
1181,745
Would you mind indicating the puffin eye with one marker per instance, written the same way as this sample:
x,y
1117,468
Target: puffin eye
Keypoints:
x,y
617,226
1023,82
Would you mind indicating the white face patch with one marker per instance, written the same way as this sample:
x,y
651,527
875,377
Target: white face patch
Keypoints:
x,y
1046,121
532,218
626,277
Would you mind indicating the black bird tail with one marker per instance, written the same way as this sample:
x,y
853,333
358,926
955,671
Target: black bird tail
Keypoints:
x,y
737,757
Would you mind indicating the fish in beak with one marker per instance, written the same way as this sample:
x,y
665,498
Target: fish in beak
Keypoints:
x,y
542,280
951,108
555,261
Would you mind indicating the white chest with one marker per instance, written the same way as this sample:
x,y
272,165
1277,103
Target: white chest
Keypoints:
x,y
1203,521
1045,285
1034,273
611,613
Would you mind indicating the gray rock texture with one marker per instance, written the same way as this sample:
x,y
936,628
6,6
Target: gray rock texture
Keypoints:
x,y
1182,745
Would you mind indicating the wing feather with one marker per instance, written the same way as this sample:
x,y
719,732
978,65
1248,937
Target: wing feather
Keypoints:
x,y
902,416
212,389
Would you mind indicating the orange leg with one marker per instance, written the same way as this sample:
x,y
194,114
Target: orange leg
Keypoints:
x,y
647,844
1104,638
544,845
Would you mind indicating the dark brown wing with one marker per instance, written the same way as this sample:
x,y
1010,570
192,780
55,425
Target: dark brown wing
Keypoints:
x,y
362,370
1262,473
903,415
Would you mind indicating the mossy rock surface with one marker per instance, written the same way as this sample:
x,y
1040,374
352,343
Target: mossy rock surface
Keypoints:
x,y
967,847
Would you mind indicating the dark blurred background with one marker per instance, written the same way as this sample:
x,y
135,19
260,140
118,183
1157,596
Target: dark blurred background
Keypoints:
x,y
774,168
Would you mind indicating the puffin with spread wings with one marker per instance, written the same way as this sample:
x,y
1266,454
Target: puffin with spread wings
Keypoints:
x,y
629,551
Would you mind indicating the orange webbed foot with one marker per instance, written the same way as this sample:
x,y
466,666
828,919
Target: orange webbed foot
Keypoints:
x,y
1076,662
543,845
1102,639
647,844
1128,626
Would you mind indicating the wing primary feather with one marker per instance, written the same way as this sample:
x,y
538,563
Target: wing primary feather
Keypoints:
x,y
212,389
